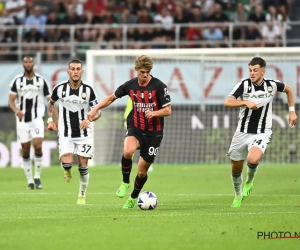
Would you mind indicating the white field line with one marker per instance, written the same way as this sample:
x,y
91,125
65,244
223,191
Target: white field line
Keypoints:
x,y
150,214
120,204
30,192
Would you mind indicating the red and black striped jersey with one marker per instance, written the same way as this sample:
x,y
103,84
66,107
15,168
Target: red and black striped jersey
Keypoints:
x,y
153,96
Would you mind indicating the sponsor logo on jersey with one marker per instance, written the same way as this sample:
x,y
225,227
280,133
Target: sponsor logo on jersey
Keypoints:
x,y
260,96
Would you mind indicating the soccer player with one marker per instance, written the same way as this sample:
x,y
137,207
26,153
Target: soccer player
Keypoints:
x,y
151,103
26,99
254,97
127,111
75,98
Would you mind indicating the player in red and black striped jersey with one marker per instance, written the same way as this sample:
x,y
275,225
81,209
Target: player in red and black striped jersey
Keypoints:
x,y
145,123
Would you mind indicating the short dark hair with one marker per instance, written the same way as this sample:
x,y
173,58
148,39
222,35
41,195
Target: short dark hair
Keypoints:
x,y
75,61
258,60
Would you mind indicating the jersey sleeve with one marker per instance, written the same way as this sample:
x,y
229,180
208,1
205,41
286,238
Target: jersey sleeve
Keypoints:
x,y
121,90
13,87
163,95
46,89
280,86
237,91
93,98
54,97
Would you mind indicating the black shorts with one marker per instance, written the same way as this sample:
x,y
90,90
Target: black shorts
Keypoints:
x,y
149,145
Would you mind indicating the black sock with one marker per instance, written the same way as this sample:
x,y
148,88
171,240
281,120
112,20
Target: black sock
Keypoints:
x,y
126,168
138,186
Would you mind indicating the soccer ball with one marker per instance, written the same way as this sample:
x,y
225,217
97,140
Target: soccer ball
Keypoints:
x,y
147,201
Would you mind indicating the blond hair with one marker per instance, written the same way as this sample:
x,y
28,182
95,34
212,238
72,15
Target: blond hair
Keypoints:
x,y
143,62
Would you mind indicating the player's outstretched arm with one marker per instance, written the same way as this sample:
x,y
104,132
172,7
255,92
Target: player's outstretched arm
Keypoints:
x,y
291,102
103,104
166,111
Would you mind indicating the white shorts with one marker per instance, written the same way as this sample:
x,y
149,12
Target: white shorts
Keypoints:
x,y
26,131
78,146
242,142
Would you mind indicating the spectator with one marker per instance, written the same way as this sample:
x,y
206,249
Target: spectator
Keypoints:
x,y
169,5
46,6
258,15
165,18
214,35
16,10
96,6
126,17
253,36
36,19
271,35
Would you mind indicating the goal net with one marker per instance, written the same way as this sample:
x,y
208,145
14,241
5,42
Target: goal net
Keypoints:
x,y
200,128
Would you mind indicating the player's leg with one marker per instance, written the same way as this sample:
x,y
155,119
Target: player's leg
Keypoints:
x,y
257,147
237,154
131,143
37,133
24,138
237,181
84,177
27,164
139,182
149,151
66,150
38,154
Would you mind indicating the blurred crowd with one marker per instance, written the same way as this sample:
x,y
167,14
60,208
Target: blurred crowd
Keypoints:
x,y
43,20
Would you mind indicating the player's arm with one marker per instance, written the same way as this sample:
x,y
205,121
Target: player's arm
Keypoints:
x,y
165,111
103,104
232,102
51,110
12,97
13,107
291,102
232,99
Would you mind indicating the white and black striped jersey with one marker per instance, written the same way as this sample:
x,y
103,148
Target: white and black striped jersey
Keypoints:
x,y
260,120
74,104
31,95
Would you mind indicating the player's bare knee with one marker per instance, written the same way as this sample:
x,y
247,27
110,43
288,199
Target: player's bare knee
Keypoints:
x,y
253,159
142,173
128,153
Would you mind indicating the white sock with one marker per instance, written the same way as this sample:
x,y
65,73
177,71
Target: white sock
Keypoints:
x,y
237,181
83,180
38,166
27,169
251,171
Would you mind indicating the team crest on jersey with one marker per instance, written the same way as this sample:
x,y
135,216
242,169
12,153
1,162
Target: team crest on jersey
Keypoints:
x,y
142,95
270,89
83,95
38,84
150,95
166,92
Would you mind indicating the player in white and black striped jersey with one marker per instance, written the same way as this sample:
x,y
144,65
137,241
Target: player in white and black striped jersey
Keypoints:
x,y
75,99
254,97
27,96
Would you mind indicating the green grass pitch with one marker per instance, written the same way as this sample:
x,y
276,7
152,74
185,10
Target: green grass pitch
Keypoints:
x,y
193,212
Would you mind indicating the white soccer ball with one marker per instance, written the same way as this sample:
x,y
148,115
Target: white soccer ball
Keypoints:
x,y
147,201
